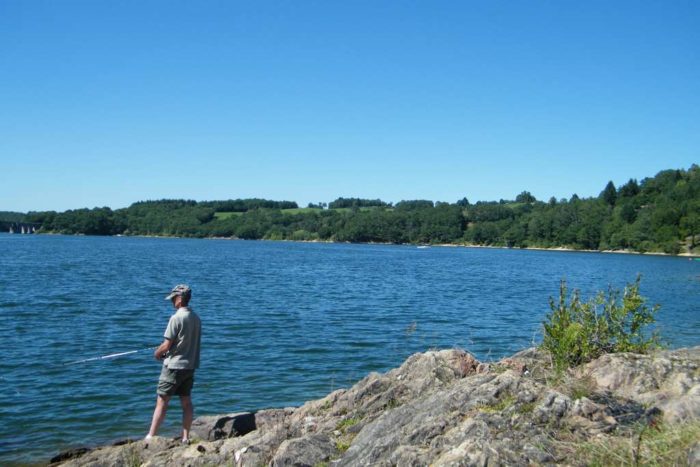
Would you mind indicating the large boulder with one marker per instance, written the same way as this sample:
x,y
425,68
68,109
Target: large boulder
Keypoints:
x,y
668,380
211,428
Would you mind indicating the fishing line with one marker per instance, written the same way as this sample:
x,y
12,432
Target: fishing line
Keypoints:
x,y
107,357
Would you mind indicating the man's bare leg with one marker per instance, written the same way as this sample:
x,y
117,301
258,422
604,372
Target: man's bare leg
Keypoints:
x,y
187,414
159,414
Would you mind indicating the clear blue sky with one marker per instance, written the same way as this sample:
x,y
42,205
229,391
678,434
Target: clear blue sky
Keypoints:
x,y
103,103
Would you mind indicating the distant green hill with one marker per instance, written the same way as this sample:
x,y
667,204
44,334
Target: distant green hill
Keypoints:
x,y
10,216
656,214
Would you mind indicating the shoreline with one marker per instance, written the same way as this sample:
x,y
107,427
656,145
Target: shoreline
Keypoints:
x,y
444,406
574,250
442,245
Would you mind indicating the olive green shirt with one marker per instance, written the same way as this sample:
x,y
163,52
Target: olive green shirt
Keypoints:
x,y
184,331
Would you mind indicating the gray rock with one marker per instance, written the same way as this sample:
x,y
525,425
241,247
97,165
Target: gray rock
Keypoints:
x,y
69,454
215,427
446,409
552,408
306,451
694,454
136,452
271,418
667,380
591,417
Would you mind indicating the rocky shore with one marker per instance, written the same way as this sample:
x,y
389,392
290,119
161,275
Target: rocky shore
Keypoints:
x,y
446,408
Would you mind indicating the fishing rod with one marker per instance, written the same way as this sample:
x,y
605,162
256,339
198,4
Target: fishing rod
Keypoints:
x,y
107,357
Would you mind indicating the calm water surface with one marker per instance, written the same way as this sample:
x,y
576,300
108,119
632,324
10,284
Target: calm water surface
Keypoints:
x,y
282,322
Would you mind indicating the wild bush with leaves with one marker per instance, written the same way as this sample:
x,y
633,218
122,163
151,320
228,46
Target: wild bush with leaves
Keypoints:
x,y
576,332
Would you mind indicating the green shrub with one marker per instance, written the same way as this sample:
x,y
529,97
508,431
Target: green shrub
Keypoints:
x,y
576,331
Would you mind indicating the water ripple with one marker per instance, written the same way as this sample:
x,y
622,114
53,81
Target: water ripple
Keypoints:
x,y
283,322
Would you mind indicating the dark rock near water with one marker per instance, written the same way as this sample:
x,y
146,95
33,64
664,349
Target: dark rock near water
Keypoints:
x,y
211,428
444,408
70,454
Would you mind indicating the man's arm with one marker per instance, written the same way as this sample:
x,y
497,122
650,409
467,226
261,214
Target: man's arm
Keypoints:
x,y
162,349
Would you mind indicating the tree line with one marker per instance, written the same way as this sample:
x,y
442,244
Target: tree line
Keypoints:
x,y
660,213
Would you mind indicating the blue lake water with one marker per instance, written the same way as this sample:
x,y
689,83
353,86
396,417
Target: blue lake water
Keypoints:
x,y
282,322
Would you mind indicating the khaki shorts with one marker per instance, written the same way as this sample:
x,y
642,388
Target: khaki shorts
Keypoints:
x,y
178,382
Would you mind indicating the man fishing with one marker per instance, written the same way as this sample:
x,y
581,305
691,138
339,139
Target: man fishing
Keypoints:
x,y
180,354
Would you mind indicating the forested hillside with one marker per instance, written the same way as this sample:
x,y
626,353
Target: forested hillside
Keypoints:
x,y
9,216
660,213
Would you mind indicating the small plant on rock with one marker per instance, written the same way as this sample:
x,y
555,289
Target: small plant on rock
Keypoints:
x,y
580,387
526,408
132,457
342,446
578,331
499,405
343,425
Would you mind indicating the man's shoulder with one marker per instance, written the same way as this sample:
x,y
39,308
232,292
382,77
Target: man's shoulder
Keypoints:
x,y
196,317
187,314
179,316
188,311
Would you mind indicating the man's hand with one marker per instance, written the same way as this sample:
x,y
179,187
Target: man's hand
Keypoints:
x,y
162,349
